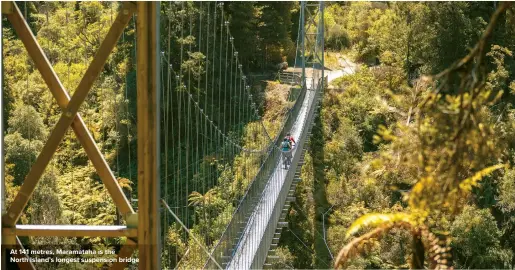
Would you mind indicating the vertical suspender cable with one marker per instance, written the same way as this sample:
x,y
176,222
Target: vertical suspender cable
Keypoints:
x,y
188,126
213,86
235,98
224,126
198,119
166,89
220,69
164,177
230,92
167,140
241,109
205,147
180,93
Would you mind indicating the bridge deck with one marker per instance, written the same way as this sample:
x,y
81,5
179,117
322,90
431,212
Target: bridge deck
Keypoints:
x,y
256,226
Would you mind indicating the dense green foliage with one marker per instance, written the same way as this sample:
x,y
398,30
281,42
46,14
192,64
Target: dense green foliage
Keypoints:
x,y
386,144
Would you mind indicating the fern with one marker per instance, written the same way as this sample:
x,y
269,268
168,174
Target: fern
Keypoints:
x,y
467,184
195,198
437,250
376,220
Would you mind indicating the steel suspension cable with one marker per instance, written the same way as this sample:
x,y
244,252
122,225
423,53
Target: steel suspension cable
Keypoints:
x,y
219,129
220,68
230,90
188,125
203,121
167,139
180,96
224,121
198,122
213,72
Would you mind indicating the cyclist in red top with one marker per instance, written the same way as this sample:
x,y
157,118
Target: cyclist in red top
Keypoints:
x,y
290,139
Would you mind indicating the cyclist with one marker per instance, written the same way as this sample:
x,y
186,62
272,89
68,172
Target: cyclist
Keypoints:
x,y
291,140
286,148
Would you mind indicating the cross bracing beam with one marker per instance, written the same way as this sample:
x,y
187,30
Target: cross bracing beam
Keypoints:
x,y
70,117
70,108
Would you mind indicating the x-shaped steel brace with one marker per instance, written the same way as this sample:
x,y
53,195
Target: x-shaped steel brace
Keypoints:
x,y
70,116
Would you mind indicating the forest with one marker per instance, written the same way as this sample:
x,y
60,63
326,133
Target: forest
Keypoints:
x,y
409,164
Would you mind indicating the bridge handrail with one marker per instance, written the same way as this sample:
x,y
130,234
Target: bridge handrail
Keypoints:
x,y
290,77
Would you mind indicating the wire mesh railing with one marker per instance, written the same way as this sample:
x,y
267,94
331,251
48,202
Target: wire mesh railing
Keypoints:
x,y
289,77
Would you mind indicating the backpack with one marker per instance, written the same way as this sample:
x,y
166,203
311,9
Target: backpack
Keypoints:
x,y
285,145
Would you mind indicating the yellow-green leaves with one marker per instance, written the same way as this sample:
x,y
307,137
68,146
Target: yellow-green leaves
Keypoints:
x,y
384,134
467,184
374,220
197,199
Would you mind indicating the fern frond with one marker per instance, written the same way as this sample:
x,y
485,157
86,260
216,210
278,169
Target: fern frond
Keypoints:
x,y
355,246
352,248
467,184
195,198
376,220
438,251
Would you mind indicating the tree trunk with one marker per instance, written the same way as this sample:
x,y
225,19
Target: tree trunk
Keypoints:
x,y
417,260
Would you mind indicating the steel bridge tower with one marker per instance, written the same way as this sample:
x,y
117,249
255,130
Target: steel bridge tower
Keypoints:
x,y
312,41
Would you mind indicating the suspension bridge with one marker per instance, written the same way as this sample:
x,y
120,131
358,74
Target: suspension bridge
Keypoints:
x,y
209,167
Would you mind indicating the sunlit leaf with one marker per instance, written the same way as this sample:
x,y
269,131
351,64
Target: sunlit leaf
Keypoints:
x,y
374,220
469,183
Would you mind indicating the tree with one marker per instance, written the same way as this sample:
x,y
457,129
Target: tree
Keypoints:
x,y
476,241
274,29
24,140
244,24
